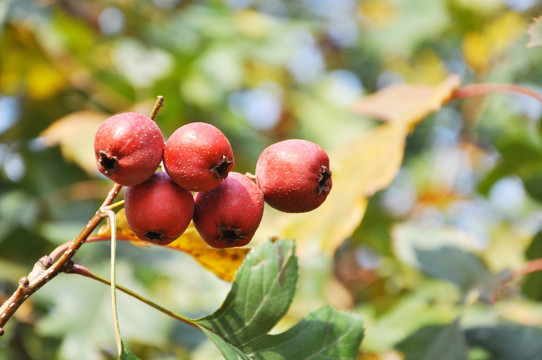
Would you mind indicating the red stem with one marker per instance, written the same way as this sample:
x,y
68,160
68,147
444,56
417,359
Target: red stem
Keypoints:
x,y
530,267
486,89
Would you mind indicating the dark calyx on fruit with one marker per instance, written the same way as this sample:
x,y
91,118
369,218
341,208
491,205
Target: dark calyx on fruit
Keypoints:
x,y
230,235
154,235
323,180
108,162
221,170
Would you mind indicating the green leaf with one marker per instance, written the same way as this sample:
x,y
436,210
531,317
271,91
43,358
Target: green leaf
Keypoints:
x,y
522,157
4,8
532,285
508,342
324,334
127,354
435,342
229,351
260,296
453,264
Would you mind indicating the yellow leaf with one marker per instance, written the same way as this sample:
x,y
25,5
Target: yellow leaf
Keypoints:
x,y
504,31
406,103
251,23
426,67
360,168
123,229
222,262
482,49
378,13
43,81
75,135
476,51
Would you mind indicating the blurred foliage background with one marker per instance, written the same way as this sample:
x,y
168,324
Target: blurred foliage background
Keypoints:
x,y
430,255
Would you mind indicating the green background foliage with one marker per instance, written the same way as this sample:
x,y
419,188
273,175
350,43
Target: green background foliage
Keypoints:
x,y
427,262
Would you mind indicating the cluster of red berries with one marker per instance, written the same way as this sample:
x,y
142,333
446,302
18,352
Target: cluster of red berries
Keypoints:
x,y
198,184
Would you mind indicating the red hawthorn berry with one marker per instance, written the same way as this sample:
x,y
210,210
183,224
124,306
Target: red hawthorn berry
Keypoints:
x,y
198,156
128,148
158,210
229,215
294,175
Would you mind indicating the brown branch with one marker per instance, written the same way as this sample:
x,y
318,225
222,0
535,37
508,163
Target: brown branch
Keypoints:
x,y
530,267
486,89
46,269
93,238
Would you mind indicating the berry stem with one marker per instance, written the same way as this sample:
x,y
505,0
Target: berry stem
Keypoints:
x,y
81,270
116,205
157,105
106,211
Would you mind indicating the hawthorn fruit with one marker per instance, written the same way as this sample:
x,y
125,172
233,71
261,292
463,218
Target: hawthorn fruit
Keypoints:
x,y
128,148
198,156
158,211
229,215
294,175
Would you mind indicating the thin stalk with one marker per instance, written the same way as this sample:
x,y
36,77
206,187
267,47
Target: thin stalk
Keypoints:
x,y
116,205
113,224
81,270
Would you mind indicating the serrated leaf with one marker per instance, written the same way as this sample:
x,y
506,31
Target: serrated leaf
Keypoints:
x,y
508,342
261,294
535,33
435,342
127,354
74,134
229,351
324,334
221,262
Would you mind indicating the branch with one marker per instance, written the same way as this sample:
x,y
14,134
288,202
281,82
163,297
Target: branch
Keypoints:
x,y
486,89
530,267
46,268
